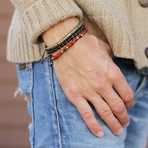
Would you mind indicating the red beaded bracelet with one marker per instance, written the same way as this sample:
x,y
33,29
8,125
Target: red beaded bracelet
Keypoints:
x,y
51,51
54,57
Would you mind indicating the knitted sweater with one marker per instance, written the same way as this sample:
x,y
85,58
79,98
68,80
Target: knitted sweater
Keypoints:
x,y
121,23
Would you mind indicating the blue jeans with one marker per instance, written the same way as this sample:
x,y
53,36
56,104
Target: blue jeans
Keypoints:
x,y
56,123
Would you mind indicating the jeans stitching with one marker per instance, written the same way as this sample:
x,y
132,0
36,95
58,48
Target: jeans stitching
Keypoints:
x,y
55,103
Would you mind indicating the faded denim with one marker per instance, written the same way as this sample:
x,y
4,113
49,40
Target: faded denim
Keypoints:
x,y
56,123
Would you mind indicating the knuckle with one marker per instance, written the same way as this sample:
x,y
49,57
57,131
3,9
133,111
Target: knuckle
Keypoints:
x,y
130,96
87,89
100,83
86,114
95,101
74,92
119,108
105,112
115,73
100,86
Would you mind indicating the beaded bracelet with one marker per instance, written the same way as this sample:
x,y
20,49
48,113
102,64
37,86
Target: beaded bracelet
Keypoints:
x,y
66,37
68,46
65,42
53,57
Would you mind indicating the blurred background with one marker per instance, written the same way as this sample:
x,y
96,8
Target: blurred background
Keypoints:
x,y
14,118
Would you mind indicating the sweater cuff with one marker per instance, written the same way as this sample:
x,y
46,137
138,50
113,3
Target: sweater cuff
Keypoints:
x,y
43,14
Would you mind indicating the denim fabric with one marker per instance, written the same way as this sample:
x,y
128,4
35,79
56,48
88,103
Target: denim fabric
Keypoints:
x,y
56,123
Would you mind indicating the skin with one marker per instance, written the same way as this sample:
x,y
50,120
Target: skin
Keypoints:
x,y
86,72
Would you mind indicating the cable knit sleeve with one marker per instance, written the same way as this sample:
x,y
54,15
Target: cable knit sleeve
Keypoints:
x,y
39,15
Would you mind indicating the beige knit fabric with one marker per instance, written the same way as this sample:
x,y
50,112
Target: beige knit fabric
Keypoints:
x,y
122,23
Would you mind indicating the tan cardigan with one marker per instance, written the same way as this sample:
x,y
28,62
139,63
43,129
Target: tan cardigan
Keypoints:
x,y
122,23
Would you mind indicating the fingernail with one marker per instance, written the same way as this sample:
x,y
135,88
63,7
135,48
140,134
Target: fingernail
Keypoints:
x,y
119,132
126,125
100,134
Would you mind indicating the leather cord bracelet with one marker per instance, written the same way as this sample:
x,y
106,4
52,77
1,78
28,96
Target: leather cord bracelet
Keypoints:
x,y
66,41
65,38
63,42
54,57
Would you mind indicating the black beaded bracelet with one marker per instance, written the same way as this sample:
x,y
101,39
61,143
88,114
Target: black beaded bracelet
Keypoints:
x,y
64,41
65,38
54,57
67,41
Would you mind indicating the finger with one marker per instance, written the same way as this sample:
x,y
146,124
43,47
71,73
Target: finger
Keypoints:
x,y
121,85
89,118
117,105
106,114
125,92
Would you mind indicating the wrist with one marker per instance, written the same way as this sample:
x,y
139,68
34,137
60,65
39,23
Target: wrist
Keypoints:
x,y
55,33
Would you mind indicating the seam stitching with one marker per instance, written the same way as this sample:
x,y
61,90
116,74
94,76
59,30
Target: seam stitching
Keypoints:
x,y
55,103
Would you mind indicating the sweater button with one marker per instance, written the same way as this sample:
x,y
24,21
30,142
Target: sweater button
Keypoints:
x,y
143,3
146,52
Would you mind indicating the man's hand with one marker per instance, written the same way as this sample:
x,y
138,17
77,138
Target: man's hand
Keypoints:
x,y
86,72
